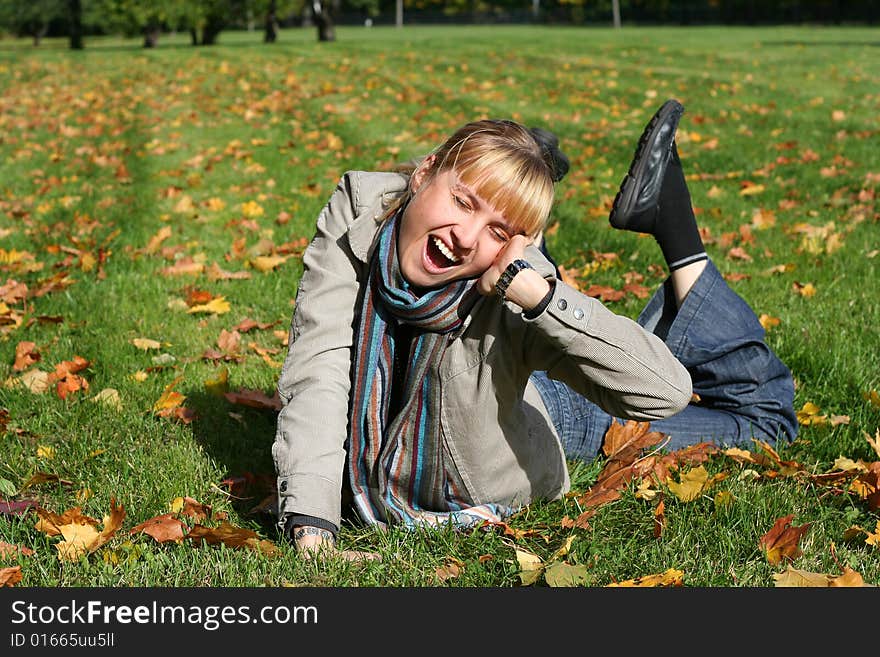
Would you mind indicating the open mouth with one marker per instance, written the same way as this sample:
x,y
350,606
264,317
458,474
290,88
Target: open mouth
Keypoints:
x,y
440,255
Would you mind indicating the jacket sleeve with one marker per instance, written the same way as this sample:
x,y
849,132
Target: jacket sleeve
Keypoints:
x,y
610,359
312,426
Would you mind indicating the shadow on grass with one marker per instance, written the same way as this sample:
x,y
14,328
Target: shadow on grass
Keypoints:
x,y
239,439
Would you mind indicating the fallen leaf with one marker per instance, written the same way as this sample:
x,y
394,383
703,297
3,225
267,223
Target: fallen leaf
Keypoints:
x,y
10,576
217,306
792,577
670,577
562,574
146,343
530,565
254,399
8,550
26,354
109,397
449,570
165,527
781,542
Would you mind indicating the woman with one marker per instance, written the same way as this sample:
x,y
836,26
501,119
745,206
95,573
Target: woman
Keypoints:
x,y
440,369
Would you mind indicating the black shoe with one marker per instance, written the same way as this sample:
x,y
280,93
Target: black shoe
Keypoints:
x,y
635,206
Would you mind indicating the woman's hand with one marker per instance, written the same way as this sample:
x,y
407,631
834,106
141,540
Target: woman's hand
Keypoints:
x,y
314,542
528,287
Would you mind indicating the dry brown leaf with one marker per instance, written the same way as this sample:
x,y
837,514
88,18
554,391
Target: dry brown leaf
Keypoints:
x,y
10,576
194,509
50,522
792,577
161,528
451,569
781,542
8,550
26,354
254,399
530,565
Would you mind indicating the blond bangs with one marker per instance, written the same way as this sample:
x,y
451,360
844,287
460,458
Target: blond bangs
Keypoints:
x,y
520,194
514,186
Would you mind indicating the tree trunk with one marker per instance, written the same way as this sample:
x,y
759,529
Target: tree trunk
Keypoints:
x,y
615,10
74,8
39,32
193,36
151,36
271,24
398,14
324,20
212,29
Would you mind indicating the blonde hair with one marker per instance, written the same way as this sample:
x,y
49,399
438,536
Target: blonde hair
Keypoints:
x,y
501,161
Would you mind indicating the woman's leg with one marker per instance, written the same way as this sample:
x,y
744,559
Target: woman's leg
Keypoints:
x,y
742,388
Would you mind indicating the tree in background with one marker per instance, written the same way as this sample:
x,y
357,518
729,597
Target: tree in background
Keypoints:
x,y
131,17
273,11
31,18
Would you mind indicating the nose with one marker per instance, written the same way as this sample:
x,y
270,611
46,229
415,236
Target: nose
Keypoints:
x,y
465,235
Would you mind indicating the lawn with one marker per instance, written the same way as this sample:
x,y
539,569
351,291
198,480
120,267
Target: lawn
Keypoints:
x,y
154,206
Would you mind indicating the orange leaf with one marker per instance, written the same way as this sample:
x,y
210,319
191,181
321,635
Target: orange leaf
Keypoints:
x,y
671,577
781,542
10,576
162,528
8,550
26,355
50,522
254,399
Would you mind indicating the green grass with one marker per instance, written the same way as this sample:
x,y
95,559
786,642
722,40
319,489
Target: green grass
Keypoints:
x,y
792,109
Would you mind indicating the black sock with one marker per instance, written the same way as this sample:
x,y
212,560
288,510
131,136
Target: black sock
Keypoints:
x,y
675,228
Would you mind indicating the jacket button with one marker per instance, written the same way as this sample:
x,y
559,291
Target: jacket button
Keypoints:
x,y
283,486
578,313
562,304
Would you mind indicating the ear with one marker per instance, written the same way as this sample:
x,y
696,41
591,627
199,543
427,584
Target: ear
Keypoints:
x,y
421,173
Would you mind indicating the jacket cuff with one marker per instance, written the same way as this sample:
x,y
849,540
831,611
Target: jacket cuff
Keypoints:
x,y
296,520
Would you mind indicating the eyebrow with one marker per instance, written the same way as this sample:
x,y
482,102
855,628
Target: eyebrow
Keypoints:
x,y
461,187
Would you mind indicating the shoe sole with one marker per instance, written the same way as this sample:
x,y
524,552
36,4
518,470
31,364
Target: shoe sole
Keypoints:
x,y
628,190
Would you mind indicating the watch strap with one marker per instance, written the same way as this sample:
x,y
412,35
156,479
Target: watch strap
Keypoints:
x,y
508,275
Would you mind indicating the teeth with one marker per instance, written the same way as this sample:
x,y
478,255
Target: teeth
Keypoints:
x,y
445,251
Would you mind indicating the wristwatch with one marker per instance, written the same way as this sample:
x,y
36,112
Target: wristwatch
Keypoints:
x,y
507,275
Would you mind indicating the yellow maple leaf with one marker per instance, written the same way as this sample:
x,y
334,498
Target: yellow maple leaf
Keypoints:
x,y
109,397
251,209
768,321
670,577
146,343
217,306
267,263
530,565
693,483
809,414
751,190
219,383
77,539
169,397
792,577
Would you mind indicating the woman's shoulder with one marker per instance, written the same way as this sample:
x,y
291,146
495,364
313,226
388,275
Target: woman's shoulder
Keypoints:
x,y
367,189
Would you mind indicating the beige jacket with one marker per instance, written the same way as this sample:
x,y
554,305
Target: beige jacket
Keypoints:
x,y
493,421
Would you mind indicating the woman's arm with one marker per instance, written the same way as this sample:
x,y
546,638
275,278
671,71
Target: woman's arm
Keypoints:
x,y
314,383
610,359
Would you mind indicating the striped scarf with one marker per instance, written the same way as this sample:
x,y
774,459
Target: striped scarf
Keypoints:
x,y
398,469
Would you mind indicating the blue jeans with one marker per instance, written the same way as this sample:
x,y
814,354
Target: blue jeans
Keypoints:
x,y
745,390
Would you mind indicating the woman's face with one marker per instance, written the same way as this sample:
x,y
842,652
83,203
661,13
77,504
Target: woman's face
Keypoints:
x,y
447,232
